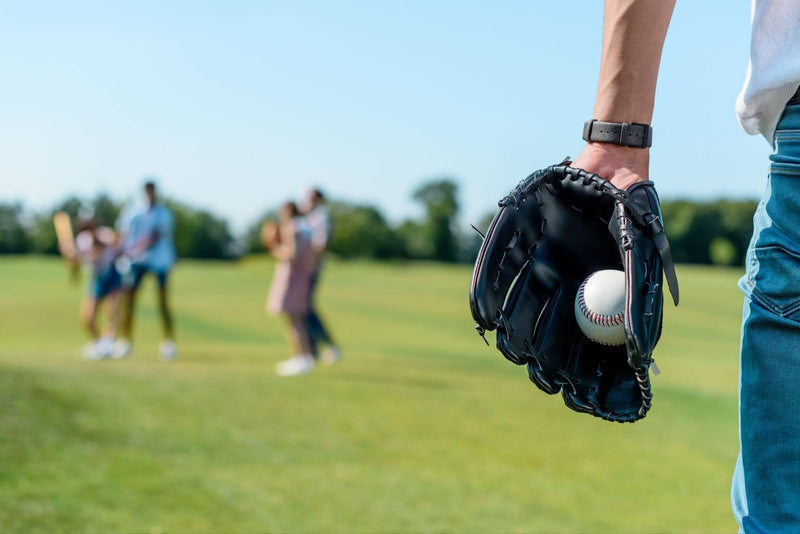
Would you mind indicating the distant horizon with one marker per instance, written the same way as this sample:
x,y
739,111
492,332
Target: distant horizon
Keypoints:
x,y
235,108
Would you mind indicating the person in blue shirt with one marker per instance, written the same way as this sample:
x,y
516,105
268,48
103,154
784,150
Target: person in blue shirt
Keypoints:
x,y
148,245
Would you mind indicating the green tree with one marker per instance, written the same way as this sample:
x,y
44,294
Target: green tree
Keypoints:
x,y
416,241
438,197
199,234
105,210
737,224
13,234
251,240
709,232
470,241
362,231
722,251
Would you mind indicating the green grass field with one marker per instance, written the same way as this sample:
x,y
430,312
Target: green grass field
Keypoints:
x,y
421,427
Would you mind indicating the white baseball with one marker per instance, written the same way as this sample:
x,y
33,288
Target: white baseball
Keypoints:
x,y
599,307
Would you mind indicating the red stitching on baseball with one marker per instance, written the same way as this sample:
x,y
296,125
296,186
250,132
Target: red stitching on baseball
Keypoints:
x,y
598,318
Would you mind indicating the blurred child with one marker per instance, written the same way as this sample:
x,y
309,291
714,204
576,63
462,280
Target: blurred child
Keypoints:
x,y
290,242
97,247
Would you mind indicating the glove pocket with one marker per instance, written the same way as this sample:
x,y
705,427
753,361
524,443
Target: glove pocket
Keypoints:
x,y
773,279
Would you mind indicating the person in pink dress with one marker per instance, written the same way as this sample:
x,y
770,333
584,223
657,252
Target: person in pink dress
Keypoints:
x,y
290,242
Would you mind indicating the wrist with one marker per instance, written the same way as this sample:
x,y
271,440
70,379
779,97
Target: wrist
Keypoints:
x,y
637,160
633,158
623,166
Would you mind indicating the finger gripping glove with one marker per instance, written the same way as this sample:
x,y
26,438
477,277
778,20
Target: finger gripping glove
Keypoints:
x,y
558,226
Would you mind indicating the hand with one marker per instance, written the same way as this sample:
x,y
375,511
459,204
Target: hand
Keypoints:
x,y
270,234
622,166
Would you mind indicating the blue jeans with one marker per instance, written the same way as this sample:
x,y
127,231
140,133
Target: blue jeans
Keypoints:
x,y
766,483
316,328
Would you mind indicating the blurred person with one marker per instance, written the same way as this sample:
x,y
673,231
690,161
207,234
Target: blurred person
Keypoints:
x,y
290,242
318,220
148,245
97,247
765,491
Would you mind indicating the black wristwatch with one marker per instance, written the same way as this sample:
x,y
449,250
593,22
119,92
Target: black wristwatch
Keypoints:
x,y
630,134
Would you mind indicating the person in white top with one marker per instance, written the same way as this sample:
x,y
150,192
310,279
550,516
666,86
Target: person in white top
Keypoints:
x,y
318,220
765,492
97,248
774,67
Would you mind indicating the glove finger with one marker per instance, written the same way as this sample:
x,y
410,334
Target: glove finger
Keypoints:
x,y
550,322
528,301
508,245
554,333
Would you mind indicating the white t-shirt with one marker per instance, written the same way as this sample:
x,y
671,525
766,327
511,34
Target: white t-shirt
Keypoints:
x,y
773,74
96,250
318,221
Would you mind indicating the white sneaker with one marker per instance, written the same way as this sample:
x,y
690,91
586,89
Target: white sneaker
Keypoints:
x,y
168,350
92,351
331,356
122,349
283,364
297,365
106,346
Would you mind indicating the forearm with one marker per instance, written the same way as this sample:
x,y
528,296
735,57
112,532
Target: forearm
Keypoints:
x,y
153,238
633,38
282,252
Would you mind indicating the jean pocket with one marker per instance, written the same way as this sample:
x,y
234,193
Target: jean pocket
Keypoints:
x,y
774,280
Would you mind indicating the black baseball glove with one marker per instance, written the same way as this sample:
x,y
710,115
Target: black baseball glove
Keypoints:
x,y
558,226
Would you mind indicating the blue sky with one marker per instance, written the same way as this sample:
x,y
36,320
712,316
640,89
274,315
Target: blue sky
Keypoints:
x,y
237,106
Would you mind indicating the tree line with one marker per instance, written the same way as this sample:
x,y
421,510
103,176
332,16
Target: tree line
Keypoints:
x,y
710,232
198,233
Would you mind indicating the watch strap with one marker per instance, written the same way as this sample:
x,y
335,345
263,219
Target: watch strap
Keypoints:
x,y
630,134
